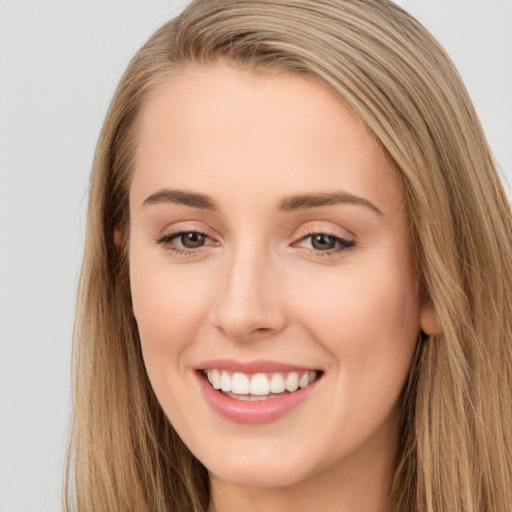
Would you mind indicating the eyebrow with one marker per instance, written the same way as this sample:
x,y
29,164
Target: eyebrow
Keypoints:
x,y
192,199
305,201
288,204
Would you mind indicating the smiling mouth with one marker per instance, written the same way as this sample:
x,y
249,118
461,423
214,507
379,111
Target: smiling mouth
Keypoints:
x,y
259,386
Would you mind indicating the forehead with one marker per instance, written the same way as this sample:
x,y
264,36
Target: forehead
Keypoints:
x,y
210,125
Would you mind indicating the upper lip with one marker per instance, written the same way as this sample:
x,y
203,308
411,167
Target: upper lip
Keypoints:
x,y
250,367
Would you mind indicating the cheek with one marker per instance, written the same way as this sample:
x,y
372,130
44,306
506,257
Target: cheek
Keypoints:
x,y
168,306
168,311
369,322
367,317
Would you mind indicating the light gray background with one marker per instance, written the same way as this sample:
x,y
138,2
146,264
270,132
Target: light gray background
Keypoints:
x,y
59,64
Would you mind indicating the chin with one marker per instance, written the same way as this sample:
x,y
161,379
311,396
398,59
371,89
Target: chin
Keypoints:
x,y
259,474
269,464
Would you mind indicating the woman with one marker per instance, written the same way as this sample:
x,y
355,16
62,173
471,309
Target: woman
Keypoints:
x,y
296,284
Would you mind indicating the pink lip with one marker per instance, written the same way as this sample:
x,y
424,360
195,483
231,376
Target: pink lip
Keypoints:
x,y
261,411
250,367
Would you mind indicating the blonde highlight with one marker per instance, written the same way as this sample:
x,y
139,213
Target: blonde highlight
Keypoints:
x,y
456,437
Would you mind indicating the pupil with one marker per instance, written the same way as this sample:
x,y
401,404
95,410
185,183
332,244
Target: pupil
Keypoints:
x,y
323,242
192,240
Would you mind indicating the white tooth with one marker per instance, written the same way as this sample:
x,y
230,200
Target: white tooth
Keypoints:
x,y
240,384
260,384
225,382
311,376
277,383
304,380
215,379
292,381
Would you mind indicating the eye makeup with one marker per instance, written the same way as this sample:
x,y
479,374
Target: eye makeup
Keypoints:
x,y
317,244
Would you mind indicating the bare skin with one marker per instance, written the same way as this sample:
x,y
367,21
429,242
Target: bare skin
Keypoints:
x,y
229,259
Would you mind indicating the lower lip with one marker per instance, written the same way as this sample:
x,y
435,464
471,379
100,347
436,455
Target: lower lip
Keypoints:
x,y
260,411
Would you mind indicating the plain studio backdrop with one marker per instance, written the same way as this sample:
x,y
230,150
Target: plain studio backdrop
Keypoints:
x,y
59,64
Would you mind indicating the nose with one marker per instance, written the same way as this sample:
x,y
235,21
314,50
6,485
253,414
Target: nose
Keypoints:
x,y
250,301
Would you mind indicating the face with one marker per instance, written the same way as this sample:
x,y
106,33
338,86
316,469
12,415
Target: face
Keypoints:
x,y
270,252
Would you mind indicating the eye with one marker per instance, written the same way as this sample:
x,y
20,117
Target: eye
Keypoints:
x,y
185,242
325,244
192,240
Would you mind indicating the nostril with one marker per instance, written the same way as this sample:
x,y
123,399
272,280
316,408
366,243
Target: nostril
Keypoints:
x,y
243,331
262,329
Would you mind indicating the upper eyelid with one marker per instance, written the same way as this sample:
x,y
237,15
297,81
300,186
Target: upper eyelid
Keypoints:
x,y
186,227
304,231
175,232
310,230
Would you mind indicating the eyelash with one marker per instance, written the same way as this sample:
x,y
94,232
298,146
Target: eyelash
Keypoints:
x,y
170,237
344,245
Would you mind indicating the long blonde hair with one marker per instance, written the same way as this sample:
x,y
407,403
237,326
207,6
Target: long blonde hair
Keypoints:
x,y
455,450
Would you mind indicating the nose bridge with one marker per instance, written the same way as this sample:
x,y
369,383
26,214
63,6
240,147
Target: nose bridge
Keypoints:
x,y
249,296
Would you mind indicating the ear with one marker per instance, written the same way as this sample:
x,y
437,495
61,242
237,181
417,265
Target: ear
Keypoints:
x,y
429,320
117,238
